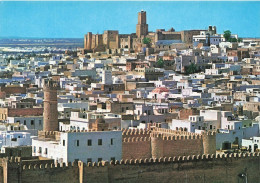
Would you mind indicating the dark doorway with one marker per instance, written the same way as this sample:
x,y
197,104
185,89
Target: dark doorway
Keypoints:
x,y
226,145
255,147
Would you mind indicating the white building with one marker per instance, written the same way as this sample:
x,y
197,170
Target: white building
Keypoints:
x,y
208,39
225,138
31,122
13,139
251,144
195,122
107,77
84,146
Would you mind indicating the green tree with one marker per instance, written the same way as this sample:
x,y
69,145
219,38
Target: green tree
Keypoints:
x,y
239,40
227,35
232,40
146,40
160,63
192,68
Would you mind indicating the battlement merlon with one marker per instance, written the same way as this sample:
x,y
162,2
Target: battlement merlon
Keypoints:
x,y
51,85
176,159
51,135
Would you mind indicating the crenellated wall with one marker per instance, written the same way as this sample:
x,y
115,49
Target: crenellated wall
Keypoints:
x,y
135,133
135,147
196,169
165,146
160,142
17,170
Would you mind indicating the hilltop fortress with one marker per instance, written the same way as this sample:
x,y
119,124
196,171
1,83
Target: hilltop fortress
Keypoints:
x,y
113,42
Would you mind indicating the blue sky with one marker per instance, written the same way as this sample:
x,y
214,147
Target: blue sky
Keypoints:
x,y
62,19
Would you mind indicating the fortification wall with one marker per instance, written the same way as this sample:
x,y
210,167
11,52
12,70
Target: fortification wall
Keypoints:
x,y
160,142
135,147
182,145
16,171
51,173
1,175
195,169
166,146
135,133
169,132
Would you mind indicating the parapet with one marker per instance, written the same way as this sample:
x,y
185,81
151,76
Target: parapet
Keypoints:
x,y
49,135
51,85
135,132
136,139
50,165
12,159
171,132
176,159
15,161
209,133
192,136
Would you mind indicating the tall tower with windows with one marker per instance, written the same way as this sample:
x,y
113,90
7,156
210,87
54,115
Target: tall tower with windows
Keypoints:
x,y
50,112
141,26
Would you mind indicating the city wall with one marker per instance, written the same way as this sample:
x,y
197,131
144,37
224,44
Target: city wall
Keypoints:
x,y
190,169
161,142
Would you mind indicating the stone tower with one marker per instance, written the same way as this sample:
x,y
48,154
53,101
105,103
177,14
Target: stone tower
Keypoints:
x,y
88,41
50,112
157,146
209,142
141,27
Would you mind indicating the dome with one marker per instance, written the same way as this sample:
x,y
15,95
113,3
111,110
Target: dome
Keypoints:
x,y
100,120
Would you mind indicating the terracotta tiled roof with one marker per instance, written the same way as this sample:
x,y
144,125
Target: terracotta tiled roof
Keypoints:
x,y
160,90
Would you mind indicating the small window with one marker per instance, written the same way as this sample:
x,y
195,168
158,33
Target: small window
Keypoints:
x,y
99,159
77,142
99,142
46,151
40,122
24,122
89,142
32,122
112,141
63,142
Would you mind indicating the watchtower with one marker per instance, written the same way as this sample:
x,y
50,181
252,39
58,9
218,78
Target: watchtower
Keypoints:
x,y
50,112
141,26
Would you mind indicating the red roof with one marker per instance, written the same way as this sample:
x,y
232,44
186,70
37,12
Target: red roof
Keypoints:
x,y
160,90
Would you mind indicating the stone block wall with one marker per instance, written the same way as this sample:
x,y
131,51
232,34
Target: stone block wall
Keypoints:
x,y
191,169
135,147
